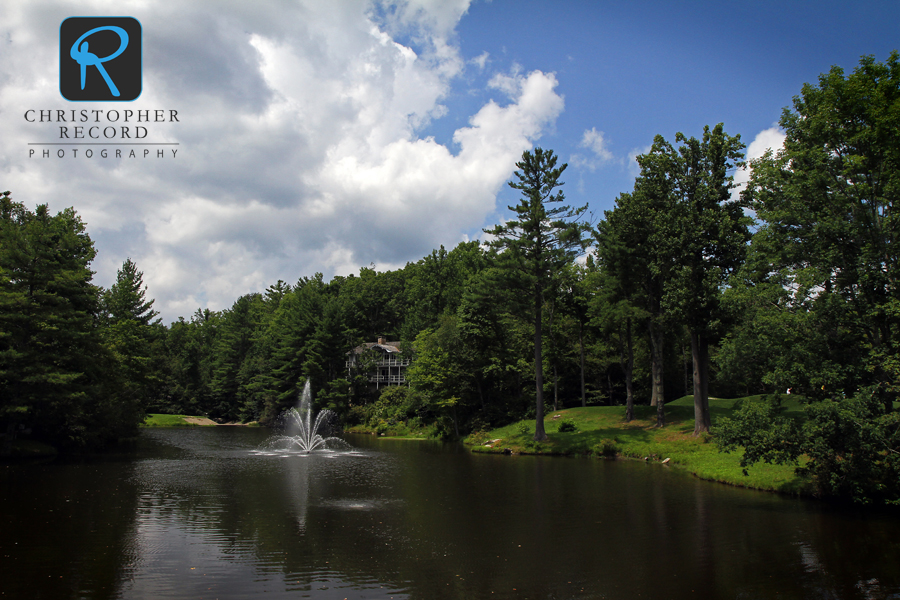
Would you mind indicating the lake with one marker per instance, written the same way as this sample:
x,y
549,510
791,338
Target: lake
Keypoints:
x,y
204,513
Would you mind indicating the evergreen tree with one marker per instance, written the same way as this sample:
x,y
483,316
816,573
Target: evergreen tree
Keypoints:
x,y
56,375
233,346
132,336
126,299
537,245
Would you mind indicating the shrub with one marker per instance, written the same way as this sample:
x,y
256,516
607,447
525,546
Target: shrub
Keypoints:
x,y
523,428
478,423
566,425
606,447
358,415
536,447
479,438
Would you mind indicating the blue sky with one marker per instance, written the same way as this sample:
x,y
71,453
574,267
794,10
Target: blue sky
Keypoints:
x,y
637,69
328,136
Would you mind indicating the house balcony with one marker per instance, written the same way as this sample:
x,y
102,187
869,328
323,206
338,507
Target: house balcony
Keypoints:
x,y
390,379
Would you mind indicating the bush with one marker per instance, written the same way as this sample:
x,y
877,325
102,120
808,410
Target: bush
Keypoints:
x,y
478,423
533,446
358,415
849,445
479,438
567,425
523,428
606,447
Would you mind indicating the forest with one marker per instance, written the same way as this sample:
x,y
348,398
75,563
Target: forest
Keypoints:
x,y
687,286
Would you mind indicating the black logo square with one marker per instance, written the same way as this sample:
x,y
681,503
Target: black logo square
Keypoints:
x,y
100,59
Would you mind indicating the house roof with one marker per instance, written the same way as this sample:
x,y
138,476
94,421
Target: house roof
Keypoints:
x,y
392,347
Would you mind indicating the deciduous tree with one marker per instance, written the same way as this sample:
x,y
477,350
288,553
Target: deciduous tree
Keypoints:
x,y
702,240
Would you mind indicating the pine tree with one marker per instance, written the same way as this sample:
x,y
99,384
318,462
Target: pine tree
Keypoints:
x,y
538,244
133,338
56,376
126,299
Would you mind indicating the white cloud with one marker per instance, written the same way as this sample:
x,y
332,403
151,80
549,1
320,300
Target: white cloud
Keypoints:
x,y
301,141
772,138
481,60
633,167
594,141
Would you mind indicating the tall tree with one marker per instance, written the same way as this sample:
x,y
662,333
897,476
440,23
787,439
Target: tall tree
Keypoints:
x,y
703,239
829,227
538,244
232,348
56,375
826,285
631,289
131,334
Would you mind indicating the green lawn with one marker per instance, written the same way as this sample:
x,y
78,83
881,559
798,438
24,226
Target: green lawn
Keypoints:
x,y
601,430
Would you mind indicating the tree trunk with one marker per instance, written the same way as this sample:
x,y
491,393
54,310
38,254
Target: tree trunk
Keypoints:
x,y
609,387
661,411
555,389
581,350
657,351
700,354
629,373
539,433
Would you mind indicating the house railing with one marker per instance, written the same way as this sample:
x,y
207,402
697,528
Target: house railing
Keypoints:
x,y
387,378
393,362
386,362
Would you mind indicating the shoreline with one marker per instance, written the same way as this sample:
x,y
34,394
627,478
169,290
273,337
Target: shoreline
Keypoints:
x,y
601,432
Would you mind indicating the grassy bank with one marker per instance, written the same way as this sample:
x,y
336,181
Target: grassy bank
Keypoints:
x,y
158,420
602,431
398,431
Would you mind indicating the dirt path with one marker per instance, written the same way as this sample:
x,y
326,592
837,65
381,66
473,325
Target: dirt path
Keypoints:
x,y
200,421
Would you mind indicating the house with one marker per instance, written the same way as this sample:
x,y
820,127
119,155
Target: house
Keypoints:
x,y
383,361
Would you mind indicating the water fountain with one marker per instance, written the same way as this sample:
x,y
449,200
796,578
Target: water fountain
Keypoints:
x,y
303,433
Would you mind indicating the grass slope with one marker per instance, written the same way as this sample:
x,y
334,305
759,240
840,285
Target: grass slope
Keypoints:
x,y
602,431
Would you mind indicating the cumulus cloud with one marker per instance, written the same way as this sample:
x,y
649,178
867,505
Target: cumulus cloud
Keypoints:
x,y
301,144
772,138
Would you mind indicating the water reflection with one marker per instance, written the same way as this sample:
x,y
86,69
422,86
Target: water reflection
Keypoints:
x,y
201,513
65,529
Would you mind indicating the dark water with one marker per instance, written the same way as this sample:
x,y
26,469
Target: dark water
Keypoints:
x,y
202,514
